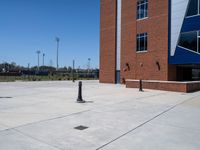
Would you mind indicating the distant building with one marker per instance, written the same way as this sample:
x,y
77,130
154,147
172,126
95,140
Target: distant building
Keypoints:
x,y
150,40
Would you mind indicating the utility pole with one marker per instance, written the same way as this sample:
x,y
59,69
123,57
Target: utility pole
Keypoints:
x,y
57,40
43,58
38,53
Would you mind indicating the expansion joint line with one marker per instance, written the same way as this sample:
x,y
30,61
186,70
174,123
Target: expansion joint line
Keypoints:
x,y
50,119
36,139
167,110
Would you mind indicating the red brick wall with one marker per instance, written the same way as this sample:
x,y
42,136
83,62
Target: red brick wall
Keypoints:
x,y
143,65
167,86
193,87
108,41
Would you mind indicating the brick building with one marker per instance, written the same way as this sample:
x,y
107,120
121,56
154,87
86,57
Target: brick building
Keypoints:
x,y
155,40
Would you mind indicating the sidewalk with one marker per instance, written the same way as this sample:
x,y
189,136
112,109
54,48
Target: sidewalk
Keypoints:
x,y
43,116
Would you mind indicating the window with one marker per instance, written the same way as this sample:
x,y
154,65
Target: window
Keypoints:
x,y
142,9
199,6
196,74
198,41
190,40
193,8
141,42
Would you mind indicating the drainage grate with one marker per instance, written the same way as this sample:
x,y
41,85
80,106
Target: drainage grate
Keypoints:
x,y
81,127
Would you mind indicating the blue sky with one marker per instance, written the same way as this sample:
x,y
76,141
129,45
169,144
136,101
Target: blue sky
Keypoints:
x,y
30,25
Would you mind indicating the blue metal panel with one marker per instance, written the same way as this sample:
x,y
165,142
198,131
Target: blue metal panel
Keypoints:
x,y
183,56
191,24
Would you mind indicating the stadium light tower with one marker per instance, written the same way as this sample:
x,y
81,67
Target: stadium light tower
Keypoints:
x,y
57,41
43,58
89,59
38,53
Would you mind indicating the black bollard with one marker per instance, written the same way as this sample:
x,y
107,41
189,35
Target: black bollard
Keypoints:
x,y
80,99
140,88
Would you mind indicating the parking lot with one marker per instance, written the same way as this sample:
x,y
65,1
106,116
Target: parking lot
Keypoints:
x,y
44,116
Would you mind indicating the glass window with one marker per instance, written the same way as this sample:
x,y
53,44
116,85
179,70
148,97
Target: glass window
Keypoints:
x,y
145,43
196,74
199,7
142,47
198,41
198,44
189,40
146,10
138,13
138,44
142,42
142,15
193,8
142,9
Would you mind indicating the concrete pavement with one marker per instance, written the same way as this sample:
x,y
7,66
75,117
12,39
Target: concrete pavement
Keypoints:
x,y
42,116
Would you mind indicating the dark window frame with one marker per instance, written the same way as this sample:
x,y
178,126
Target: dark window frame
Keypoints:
x,y
142,9
189,9
197,38
142,42
198,41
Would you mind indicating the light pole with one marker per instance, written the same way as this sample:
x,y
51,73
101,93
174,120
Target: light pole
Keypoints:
x,y
89,59
57,40
4,69
28,70
51,62
43,58
73,70
38,53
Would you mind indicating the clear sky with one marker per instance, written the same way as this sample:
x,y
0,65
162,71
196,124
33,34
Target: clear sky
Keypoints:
x,y
30,25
